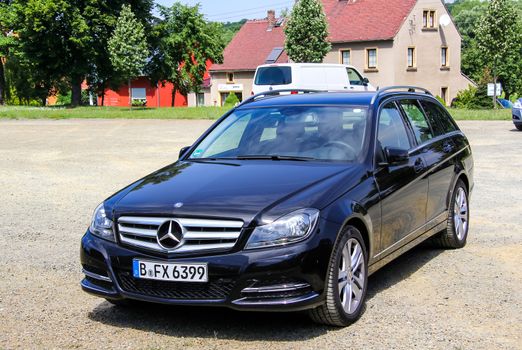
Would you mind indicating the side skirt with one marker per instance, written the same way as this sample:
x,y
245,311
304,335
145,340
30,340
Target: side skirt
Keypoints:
x,y
411,244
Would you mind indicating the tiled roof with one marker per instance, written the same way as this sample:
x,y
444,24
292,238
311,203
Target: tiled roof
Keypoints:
x,y
365,20
251,46
349,20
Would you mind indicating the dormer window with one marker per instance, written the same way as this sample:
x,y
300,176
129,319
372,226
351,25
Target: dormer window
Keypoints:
x,y
429,19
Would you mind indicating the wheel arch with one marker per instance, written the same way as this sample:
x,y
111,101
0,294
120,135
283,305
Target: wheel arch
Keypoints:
x,y
359,224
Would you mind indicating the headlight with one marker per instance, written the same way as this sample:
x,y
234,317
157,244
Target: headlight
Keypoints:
x,y
517,104
101,226
291,228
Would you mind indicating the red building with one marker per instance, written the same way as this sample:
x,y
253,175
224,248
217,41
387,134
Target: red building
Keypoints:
x,y
154,96
144,91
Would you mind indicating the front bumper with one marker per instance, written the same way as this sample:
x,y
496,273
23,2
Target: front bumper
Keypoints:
x,y
517,116
290,278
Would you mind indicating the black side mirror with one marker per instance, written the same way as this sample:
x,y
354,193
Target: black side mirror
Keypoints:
x,y
396,155
183,151
366,81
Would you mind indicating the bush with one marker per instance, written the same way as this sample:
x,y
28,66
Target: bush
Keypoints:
x,y
139,103
440,100
231,100
63,99
465,98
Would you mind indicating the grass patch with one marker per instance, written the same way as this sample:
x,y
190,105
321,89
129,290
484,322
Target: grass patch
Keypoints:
x,y
19,112
480,114
210,113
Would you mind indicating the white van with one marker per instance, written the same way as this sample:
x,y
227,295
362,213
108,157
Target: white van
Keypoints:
x,y
313,76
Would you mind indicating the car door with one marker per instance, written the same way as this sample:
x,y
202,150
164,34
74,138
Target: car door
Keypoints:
x,y
403,186
439,160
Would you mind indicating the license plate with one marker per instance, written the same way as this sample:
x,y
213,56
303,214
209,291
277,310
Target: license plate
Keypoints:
x,y
169,271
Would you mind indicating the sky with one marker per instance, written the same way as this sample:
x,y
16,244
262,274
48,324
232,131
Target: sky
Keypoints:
x,y
234,10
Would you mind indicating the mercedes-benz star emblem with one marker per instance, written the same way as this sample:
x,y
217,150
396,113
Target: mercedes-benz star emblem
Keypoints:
x,y
170,234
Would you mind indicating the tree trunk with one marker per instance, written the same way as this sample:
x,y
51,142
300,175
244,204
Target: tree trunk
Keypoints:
x,y
2,83
130,95
103,94
173,97
76,91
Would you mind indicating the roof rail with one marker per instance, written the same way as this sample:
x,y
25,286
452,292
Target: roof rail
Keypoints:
x,y
277,92
403,87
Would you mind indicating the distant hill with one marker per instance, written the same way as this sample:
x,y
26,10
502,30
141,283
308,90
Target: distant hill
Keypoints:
x,y
230,29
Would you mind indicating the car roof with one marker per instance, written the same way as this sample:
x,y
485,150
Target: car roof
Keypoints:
x,y
321,98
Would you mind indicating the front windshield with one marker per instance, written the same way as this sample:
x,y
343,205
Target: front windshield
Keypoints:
x,y
304,132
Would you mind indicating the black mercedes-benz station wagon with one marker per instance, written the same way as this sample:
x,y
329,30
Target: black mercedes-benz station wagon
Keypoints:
x,y
287,203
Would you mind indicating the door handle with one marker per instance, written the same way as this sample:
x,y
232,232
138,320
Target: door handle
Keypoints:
x,y
419,165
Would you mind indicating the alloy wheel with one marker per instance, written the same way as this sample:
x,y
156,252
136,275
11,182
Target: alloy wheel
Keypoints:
x,y
460,214
351,276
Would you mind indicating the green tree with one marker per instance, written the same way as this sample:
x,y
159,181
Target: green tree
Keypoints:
x,y
128,47
499,38
102,17
307,32
185,43
467,15
66,40
7,42
54,36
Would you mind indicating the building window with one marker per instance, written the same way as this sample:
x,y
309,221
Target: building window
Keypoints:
x,y
200,99
429,19
345,56
411,57
230,77
444,56
444,95
371,58
139,96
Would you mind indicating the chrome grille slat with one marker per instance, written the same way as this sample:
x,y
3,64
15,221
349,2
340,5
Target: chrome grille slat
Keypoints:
x,y
211,235
137,231
198,234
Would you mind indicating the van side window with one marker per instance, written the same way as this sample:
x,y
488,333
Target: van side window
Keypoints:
x,y
439,119
392,131
419,123
354,77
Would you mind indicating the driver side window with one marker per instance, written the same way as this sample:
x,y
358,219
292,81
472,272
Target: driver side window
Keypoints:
x,y
354,77
391,131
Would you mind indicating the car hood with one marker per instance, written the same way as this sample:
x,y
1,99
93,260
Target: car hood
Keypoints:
x,y
235,189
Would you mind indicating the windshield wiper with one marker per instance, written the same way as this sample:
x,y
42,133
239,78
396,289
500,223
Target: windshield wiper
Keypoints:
x,y
274,157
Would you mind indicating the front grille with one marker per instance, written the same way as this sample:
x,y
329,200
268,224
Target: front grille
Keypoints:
x,y
212,290
199,235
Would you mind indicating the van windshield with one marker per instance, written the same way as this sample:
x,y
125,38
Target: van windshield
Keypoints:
x,y
274,76
297,132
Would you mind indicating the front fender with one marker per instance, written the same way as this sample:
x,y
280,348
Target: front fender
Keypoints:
x,y
362,205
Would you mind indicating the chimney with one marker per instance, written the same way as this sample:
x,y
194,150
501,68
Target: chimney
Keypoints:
x,y
271,19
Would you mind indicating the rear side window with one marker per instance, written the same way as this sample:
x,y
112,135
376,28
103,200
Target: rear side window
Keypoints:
x,y
274,76
439,119
419,122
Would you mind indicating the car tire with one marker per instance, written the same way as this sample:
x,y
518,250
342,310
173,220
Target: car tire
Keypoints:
x,y
456,232
343,304
519,127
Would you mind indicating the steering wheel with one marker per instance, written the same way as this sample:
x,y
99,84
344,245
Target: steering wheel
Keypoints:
x,y
349,150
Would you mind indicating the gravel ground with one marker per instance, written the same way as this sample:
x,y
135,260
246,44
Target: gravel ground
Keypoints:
x,y
53,174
